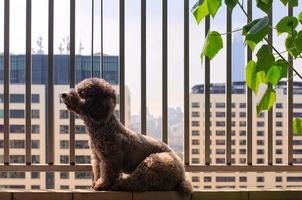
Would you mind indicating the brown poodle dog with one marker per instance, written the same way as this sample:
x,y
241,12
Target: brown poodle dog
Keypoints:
x,y
150,164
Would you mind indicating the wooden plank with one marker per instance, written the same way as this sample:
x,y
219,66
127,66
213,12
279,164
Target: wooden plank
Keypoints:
x,y
102,195
5,195
42,195
275,195
225,195
171,195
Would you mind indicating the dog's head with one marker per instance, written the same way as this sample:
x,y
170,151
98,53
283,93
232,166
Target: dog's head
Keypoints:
x,y
93,99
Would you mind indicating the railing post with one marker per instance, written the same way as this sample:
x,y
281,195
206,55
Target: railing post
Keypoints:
x,y
143,68
122,61
186,84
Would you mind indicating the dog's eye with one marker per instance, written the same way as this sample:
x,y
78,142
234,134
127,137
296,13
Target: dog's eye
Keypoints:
x,y
81,93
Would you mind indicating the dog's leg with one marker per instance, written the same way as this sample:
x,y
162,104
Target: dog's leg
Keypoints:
x,y
95,163
108,176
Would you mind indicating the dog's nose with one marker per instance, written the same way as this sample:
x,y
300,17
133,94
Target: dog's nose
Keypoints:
x,y
63,95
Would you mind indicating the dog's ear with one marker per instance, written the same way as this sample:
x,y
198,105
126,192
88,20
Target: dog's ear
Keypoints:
x,y
100,109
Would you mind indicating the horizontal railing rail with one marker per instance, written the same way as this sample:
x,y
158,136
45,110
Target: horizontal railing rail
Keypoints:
x,y
207,167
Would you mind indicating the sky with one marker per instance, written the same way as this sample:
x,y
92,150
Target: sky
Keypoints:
x,y
132,40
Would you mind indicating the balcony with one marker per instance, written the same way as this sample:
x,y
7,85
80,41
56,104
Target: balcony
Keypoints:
x,y
222,105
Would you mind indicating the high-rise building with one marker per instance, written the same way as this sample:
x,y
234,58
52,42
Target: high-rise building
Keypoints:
x,y
238,58
218,180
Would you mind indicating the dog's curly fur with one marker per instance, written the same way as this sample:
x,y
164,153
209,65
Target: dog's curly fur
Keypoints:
x,y
150,164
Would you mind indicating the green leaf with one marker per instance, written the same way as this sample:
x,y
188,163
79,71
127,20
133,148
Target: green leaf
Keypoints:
x,y
283,67
212,45
255,31
300,17
265,59
231,4
284,2
200,10
291,3
297,126
253,78
267,100
213,6
294,44
273,75
287,25
265,5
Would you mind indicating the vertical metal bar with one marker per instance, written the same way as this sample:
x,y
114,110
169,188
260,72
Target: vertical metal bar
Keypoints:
x,y
122,61
249,98
92,37
72,79
143,68
270,112
6,81
102,40
50,83
186,83
229,89
165,71
290,103
28,84
207,101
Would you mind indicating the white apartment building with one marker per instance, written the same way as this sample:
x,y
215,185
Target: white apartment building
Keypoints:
x,y
239,139
39,180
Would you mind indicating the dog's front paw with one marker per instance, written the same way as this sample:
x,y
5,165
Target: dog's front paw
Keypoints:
x,y
99,185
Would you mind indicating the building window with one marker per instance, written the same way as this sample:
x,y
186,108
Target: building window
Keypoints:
x,y
242,160
297,151
279,114
242,105
260,142
220,105
35,159
17,98
35,175
220,123
195,160
1,113
35,98
220,142
195,151
195,179
279,160
82,175
220,151
297,142
242,142
260,151
260,133
1,98
195,123
242,133
80,129
64,187
64,159
17,159
64,114
207,179
35,144
220,114
17,144
278,142
242,123
195,105
195,114
233,114
64,144
35,187
194,142
260,115
195,133
279,133
225,179
242,179
260,161
220,133
35,129
18,114
16,128
242,151
260,179
83,144
64,129
297,105
64,175
83,159
294,179
279,124
242,114
35,114
260,124
220,160
278,178
279,151
279,105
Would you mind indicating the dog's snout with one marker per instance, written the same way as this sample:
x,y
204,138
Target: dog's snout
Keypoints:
x,y
63,95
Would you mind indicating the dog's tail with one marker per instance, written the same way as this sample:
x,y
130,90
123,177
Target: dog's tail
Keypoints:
x,y
185,188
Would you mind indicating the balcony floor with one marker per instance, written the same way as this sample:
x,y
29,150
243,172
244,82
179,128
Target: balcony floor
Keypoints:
x,y
197,195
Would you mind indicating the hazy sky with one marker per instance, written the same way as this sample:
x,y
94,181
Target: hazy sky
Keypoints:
x,y
111,39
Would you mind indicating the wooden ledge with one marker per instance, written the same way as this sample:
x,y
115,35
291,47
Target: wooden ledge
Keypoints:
x,y
197,195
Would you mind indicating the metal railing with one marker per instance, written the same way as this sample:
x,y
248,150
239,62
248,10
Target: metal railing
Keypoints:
x,y
51,166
